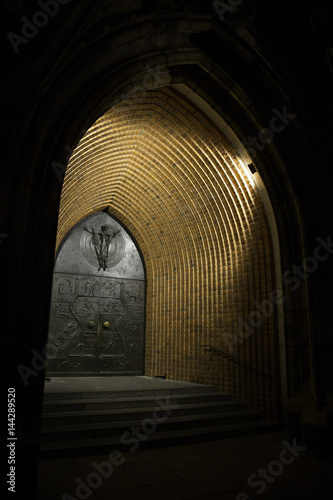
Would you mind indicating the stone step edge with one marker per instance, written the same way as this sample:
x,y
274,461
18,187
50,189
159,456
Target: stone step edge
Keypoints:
x,y
227,429
127,424
78,395
53,402
142,409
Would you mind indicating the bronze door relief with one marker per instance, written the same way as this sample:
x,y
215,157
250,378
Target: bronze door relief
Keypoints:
x,y
97,317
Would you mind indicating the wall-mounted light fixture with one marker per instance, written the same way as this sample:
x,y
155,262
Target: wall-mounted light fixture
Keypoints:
x,y
252,168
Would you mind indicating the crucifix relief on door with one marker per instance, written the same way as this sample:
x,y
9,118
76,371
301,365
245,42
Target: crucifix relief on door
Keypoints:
x,y
98,302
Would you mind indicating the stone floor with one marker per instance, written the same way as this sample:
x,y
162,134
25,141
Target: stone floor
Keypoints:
x,y
57,387
218,470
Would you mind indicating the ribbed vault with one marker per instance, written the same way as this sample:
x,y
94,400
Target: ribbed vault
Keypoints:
x,y
175,182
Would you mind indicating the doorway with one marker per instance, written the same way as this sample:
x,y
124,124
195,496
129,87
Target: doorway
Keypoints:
x,y
200,217
97,318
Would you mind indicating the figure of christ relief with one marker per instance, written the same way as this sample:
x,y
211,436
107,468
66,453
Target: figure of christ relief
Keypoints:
x,y
101,242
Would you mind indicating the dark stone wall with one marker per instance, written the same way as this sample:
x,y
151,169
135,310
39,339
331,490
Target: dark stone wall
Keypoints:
x,y
58,78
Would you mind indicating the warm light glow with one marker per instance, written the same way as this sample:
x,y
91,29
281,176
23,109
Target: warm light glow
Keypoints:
x,y
193,206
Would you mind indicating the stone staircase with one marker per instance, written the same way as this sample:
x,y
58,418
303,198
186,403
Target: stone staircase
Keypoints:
x,y
82,423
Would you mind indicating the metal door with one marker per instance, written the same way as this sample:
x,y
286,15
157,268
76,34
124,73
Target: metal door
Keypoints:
x,y
98,302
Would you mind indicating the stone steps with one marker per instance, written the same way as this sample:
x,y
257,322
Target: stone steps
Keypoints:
x,y
63,405
115,427
107,415
105,445
171,388
80,423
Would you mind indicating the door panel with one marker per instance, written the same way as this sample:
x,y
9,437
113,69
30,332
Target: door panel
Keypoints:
x,y
98,310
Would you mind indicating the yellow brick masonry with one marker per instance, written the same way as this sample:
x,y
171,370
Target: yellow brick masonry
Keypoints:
x,y
175,182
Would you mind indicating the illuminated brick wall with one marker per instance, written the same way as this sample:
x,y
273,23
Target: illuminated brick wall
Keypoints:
x,y
174,181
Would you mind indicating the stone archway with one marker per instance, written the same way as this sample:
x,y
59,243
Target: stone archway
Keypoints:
x,y
98,302
50,96
180,186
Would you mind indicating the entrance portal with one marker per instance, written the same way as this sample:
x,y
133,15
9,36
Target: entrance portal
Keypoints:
x,y
98,302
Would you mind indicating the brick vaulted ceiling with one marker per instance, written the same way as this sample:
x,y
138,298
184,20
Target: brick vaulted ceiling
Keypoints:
x,y
175,182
